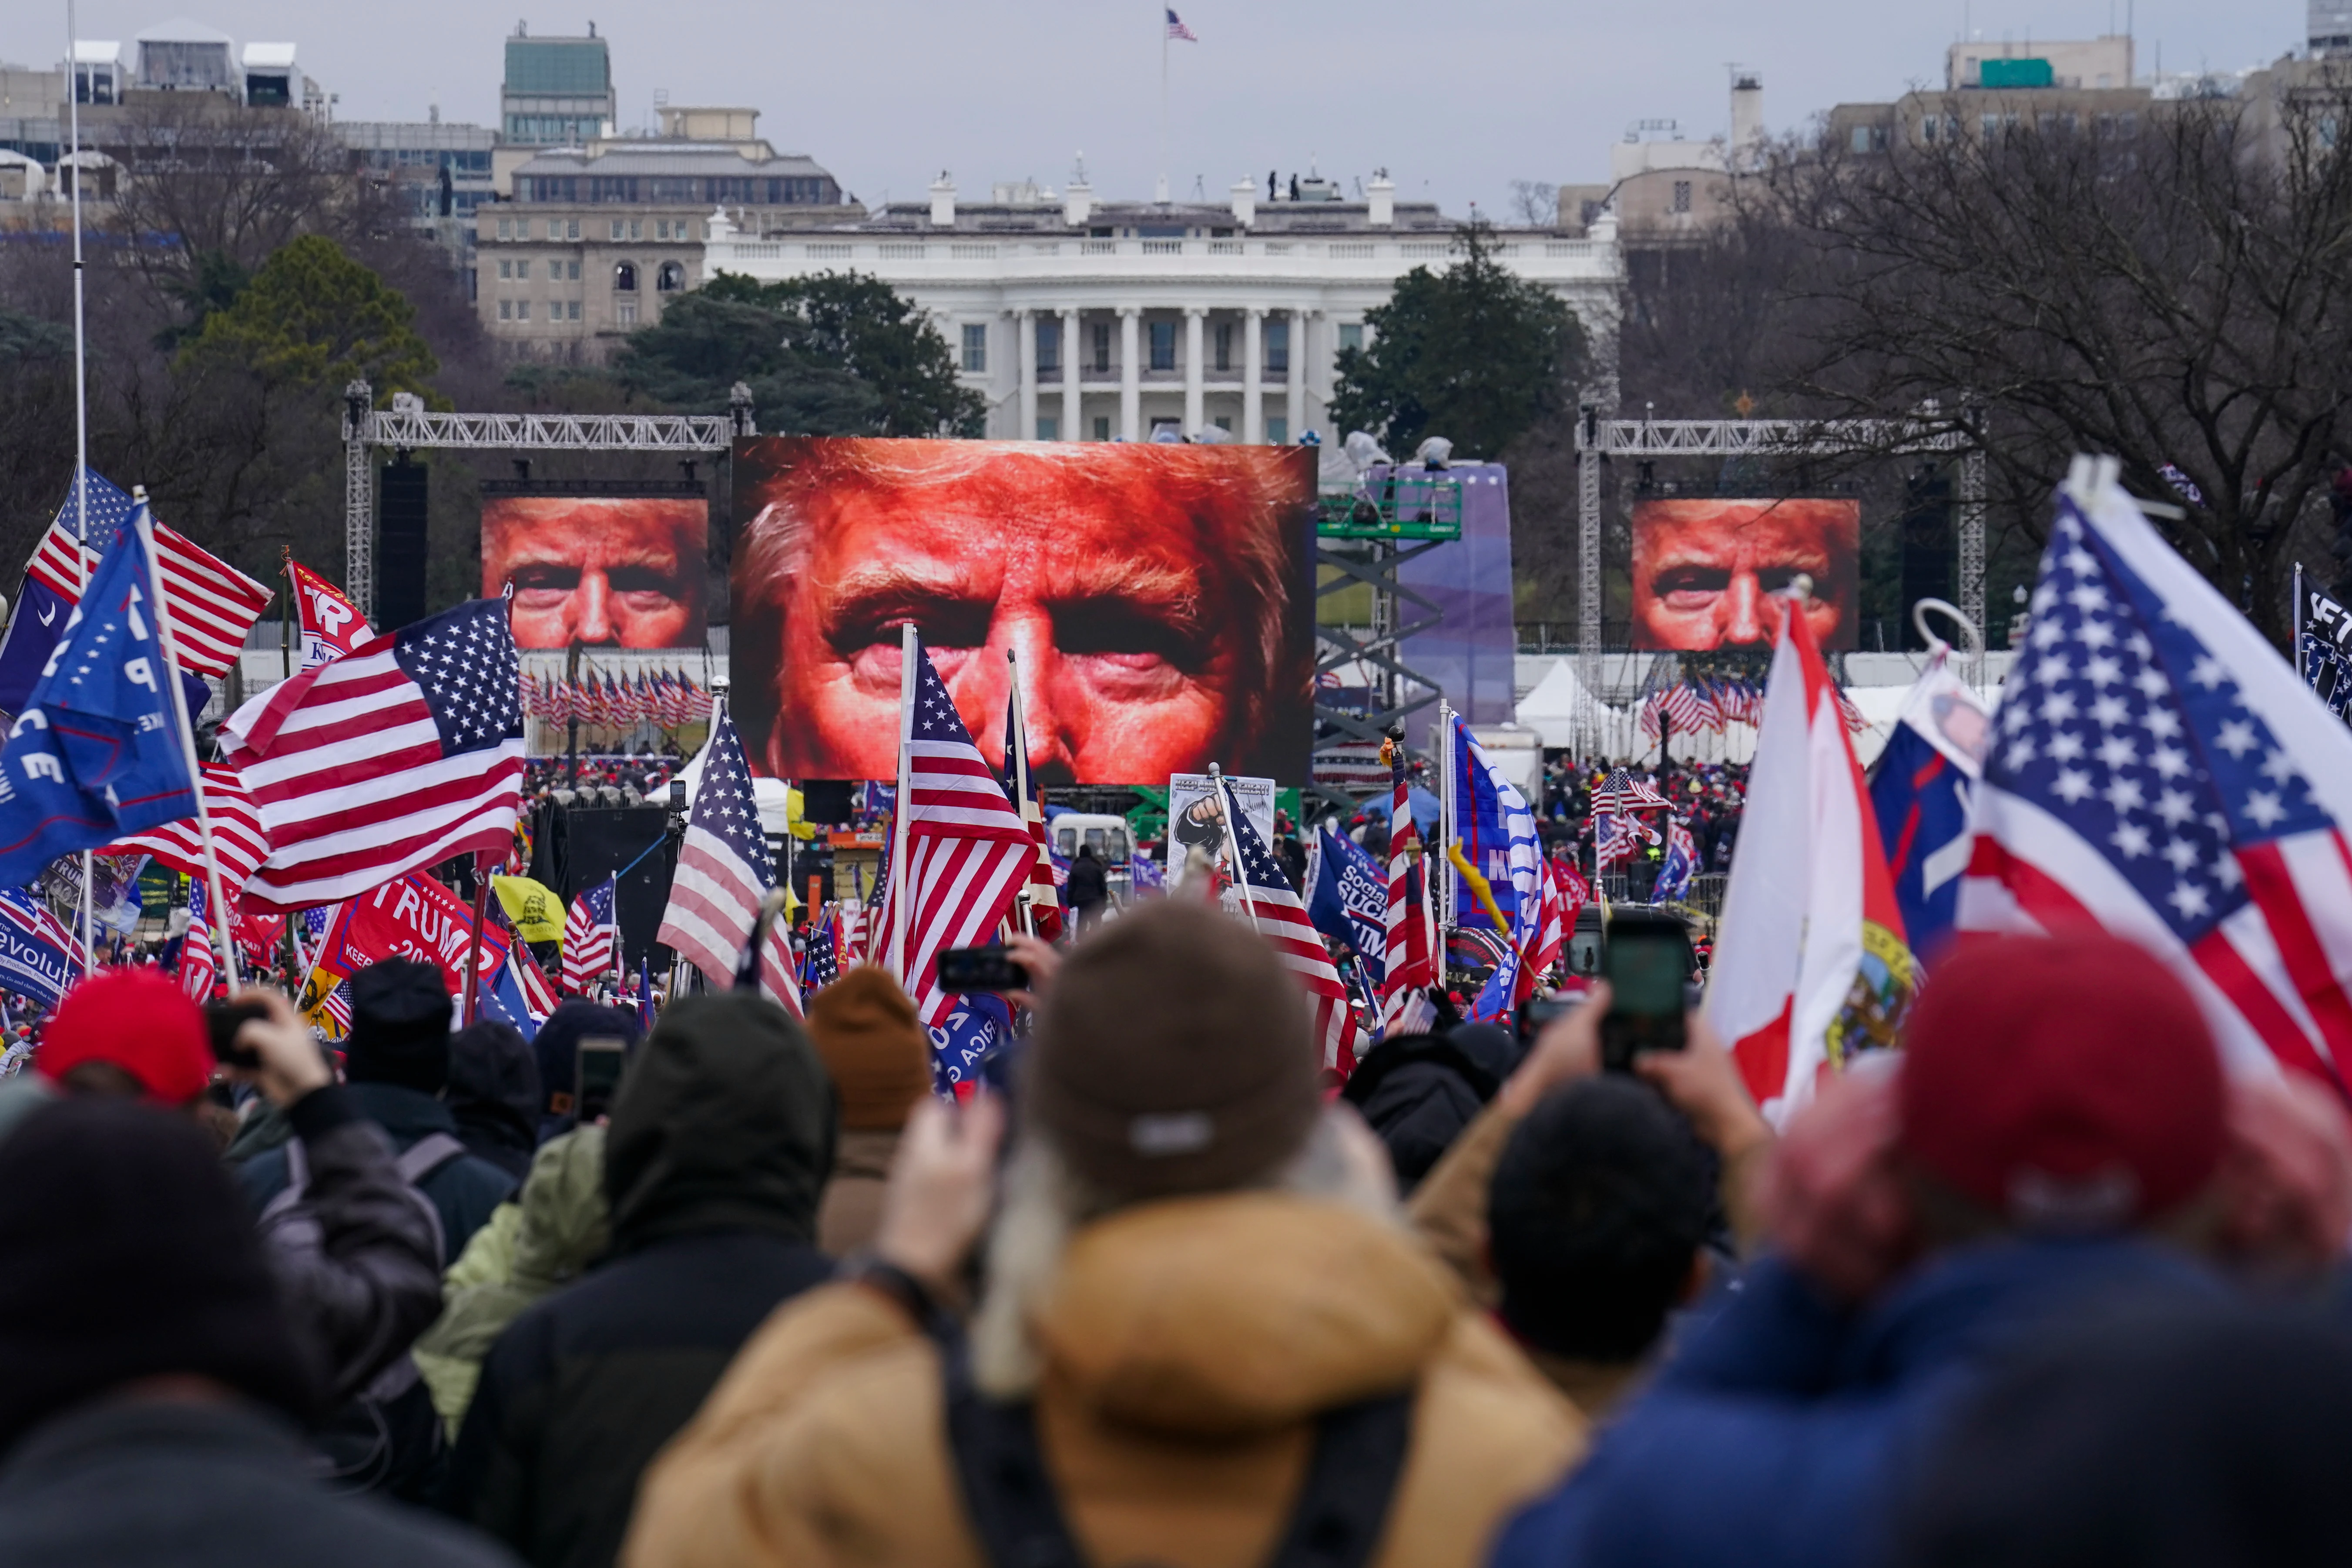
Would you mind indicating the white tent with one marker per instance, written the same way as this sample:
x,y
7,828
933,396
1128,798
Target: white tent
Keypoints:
x,y
1553,709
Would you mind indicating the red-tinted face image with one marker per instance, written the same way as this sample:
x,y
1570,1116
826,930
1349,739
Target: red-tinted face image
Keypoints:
x,y
1704,570
1153,596
623,571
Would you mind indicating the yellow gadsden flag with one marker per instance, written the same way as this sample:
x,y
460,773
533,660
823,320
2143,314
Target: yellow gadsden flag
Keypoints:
x,y
536,912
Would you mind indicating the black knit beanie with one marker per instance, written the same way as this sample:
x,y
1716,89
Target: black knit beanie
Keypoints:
x,y
127,1255
400,1026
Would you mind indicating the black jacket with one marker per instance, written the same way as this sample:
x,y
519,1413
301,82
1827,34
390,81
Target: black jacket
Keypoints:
x,y
720,1139
132,1483
1418,1092
374,1284
1088,885
464,1191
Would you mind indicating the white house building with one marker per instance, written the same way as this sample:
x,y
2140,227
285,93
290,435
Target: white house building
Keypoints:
x,y
1086,321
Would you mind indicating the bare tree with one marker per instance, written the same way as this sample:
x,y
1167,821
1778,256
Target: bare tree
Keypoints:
x,y
1534,204
2175,289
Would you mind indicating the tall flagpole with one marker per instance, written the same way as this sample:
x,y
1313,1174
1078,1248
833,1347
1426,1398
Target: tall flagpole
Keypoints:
x,y
1233,842
909,644
81,419
1160,9
1017,743
145,523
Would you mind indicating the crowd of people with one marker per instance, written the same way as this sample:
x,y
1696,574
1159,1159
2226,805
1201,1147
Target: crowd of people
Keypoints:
x,y
2049,1285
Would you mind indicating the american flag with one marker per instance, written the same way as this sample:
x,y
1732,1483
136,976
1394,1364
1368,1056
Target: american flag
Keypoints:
x,y
1410,966
2157,769
1681,704
213,604
1177,29
588,936
337,1005
198,964
967,850
1621,792
1617,838
724,871
537,996
239,840
1710,710
823,965
395,757
1272,904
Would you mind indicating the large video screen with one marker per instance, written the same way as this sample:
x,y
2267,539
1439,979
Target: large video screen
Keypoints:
x,y
1701,569
609,570
1159,598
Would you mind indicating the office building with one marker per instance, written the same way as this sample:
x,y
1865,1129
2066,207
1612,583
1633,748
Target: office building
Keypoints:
x,y
558,91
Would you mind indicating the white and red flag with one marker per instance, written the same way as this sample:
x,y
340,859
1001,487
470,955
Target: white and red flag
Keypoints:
x,y
395,757
1409,951
724,871
213,604
589,934
964,853
332,624
239,840
2159,769
1811,964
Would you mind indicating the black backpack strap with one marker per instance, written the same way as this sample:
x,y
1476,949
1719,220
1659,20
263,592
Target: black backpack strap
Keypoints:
x,y
1337,1521
1007,1495
1343,1509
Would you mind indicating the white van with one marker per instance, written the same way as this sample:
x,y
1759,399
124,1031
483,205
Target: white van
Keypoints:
x,y
1112,839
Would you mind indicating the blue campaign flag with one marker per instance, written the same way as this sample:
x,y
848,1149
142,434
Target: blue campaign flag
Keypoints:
x,y
1349,900
97,752
37,951
502,999
1497,832
1920,793
978,1023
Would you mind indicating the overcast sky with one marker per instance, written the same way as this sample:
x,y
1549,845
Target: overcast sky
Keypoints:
x,y
1455,98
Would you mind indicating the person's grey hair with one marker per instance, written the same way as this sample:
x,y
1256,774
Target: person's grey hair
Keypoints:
x,y
1044,1203
1242,494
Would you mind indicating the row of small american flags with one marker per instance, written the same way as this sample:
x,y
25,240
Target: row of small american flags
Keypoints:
x,y
1701,704
667,699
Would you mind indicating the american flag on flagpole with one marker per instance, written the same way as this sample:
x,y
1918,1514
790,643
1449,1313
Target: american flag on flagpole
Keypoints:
x,y
198,962
1621,792
537,996
967,850
1410,966
213,604
1178,31
822,967
2157,769
724,871
399,755
1041,893
1282,920
589,928
239,840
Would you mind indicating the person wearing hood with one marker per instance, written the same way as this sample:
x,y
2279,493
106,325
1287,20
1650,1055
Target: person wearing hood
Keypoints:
x,y
557,1046
494,1094
720,1141
559,1225
1202,1331
153,1388
880,1060
396,1066
1420,1092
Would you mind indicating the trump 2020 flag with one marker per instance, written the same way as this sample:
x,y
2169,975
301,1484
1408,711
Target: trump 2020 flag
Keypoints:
x,y
39,956
1811,964
2157,769
97,754
1349,899
1920,789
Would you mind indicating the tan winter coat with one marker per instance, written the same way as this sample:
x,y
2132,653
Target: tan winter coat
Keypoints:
x,y
851,1210
1189,1346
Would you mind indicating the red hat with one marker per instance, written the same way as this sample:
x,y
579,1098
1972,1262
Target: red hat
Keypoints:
x,y
2066,1082
139,1021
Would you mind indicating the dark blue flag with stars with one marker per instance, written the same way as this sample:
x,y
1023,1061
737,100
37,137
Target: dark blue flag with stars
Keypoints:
x,y
821,966
41,610
97,752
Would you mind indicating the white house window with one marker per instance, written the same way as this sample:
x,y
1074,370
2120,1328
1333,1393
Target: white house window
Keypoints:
x,y
1277,350
1351,336
506,228
1277,430
975,347
670,278
1049,353
571,271
1224,346
1048,428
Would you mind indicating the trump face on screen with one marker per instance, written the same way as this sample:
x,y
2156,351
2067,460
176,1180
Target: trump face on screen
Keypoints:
x,y
1154,596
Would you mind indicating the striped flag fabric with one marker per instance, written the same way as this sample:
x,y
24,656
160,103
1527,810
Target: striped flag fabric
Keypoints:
x,y
1178,31
1681,704
2171,778
41,956
1041,894
1410,964
1621,792
968,853
198,964
1710,708
590,932
537,996
724,871
1272,904
213,604
395,757
240,840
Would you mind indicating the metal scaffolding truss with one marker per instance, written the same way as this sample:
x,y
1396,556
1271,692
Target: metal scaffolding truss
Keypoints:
x,y
1599,439
408,426
1341,648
